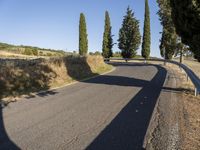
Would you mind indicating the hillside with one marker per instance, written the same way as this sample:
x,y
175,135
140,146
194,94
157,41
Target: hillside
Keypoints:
x,y
8,50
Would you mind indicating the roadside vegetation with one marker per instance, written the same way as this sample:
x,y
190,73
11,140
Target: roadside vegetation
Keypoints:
x,y
20,76
186,18
180,33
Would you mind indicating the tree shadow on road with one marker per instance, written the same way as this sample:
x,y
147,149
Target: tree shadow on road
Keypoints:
x,y
117,80
128,129
5,141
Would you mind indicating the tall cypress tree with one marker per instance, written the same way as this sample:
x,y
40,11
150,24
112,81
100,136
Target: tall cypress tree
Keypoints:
x,y
83,41
129,35
107,38
169,37
147,33
162,45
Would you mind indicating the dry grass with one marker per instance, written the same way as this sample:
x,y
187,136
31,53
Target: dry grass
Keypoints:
x,y
191,126
18,77
20,55
194,65
4,54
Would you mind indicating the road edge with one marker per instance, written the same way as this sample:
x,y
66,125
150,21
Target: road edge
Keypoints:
x,y
157,129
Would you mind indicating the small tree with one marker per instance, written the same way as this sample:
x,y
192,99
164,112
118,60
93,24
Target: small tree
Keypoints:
x,y
181,50
147,33
129,35
83,41
162,46
107,38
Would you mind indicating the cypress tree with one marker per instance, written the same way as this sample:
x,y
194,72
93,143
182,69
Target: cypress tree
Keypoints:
x,y
147,33
162,46
107,38
129,35
169,37
83,41
186,17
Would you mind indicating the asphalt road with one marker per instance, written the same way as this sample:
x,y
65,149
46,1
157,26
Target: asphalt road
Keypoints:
x,y
109,112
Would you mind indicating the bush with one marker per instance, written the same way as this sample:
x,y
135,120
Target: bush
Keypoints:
x,y
28,51
35,52
49,54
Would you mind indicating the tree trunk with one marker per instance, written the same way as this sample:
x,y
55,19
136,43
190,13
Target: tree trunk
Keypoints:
x,y
181,56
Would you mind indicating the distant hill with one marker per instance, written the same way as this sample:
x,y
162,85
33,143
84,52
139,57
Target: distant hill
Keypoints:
x,y
14,50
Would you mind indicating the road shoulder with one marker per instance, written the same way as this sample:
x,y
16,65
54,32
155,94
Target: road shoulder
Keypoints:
x,y
164,128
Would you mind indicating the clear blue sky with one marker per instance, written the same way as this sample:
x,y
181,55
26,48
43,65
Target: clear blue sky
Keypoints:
x,y
54,23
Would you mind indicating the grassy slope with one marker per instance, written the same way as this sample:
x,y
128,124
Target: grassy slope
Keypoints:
x,y
13,51
18,77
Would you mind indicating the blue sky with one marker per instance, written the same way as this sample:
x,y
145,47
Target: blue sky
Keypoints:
x,y
54,23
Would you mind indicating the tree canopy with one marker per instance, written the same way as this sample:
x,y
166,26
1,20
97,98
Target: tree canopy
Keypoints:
x,y
168,42
186,17
107,38
146,45
129,35
83,41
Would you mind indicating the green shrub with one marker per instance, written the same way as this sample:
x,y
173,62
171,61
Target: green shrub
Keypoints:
x,y
28,51
35,52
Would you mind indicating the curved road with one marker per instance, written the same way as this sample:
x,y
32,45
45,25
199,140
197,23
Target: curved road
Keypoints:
x,y
111,111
